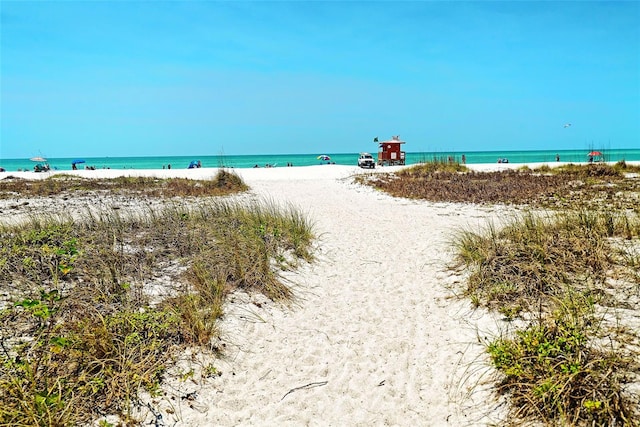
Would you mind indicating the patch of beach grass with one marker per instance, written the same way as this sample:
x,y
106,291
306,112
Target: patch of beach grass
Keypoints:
x,y
222,183
84,327
565,275
435,165
537,255
561,187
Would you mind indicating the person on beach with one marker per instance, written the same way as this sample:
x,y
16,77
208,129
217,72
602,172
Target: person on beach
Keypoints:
x,y
464,159
557,157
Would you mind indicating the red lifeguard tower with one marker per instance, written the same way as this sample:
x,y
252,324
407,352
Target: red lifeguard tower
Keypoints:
x,y
390,152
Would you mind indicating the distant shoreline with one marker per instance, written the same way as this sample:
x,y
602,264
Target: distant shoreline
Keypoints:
x,y
277,173
346,159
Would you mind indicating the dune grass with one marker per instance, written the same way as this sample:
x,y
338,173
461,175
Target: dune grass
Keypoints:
x,y
222,183
563,187
83,327
565,275
555,372
536,256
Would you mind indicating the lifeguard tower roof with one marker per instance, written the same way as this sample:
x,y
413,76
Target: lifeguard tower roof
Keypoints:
x,y
394,139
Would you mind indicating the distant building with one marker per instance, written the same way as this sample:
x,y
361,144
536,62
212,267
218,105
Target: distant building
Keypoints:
x,y
390,152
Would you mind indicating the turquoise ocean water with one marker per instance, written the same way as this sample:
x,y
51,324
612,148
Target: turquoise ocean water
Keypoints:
x,y
282,160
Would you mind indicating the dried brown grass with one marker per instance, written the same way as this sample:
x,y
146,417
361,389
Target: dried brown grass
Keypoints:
x,y
224,182
559,188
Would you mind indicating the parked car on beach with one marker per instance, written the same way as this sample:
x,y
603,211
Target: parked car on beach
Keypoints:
x,y
366,161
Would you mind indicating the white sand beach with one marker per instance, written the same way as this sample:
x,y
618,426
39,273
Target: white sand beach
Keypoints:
x,y
373,337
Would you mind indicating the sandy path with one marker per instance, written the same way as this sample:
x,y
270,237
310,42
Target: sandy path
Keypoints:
x,y
372,340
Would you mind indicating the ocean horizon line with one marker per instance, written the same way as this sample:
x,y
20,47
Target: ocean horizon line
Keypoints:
x,y
308,159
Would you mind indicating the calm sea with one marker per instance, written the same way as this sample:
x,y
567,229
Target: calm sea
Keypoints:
x,y
280,160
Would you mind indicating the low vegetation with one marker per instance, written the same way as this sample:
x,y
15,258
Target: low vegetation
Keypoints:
x,y
562,187
535,258
93,311
224,182
569,277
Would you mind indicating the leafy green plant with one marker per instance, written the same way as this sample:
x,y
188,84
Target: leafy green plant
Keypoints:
x,y
553,373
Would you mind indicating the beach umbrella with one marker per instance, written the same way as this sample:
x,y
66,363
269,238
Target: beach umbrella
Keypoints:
x,y
38,159
595,154
324,157
77,161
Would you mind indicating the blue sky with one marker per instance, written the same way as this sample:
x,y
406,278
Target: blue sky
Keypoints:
x,y
144,78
